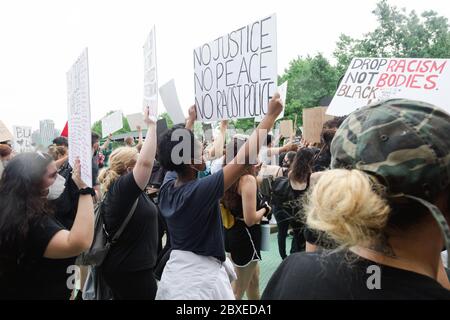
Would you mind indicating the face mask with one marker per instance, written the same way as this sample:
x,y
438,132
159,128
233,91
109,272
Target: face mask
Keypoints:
x,y
57,188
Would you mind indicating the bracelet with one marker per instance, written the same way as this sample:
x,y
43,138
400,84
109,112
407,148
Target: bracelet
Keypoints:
x,y
89,191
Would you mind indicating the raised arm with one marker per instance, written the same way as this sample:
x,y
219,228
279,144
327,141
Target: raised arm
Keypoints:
x,y
106,143
61,161
234,170
276,151
66,244
144,165
141,139
216,150
190,120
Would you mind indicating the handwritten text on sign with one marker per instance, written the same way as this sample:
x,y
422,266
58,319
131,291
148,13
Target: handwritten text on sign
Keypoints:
x,y
80,116
150,74
22,139
370,80
235,75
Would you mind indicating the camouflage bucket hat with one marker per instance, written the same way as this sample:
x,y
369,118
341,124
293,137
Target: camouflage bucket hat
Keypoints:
x,y
404,143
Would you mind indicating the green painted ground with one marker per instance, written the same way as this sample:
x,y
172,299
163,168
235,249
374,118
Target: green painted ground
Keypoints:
x,y
271,260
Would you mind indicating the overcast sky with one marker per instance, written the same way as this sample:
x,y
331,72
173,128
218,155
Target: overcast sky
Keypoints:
x,y
40,40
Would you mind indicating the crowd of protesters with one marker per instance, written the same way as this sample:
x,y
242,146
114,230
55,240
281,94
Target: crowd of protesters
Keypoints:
x,y
373,195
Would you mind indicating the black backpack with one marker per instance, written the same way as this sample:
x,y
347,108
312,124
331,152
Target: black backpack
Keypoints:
x,y
102,241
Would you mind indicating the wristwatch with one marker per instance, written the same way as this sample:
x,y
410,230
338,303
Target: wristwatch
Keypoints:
x,y
87,190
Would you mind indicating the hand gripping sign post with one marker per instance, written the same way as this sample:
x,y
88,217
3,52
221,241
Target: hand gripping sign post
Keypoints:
x,y
236,74
79,111
369,80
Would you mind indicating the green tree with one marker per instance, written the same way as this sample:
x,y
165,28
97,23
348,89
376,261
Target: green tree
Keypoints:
x,y
166,116
309,80
398,34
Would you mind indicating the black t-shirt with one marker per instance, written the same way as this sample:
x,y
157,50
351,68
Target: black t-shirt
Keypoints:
x,y
343,275
137,247
192,213
65,208
32,278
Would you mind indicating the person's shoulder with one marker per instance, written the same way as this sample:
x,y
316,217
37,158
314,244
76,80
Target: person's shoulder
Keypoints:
x,y
247,179
298,268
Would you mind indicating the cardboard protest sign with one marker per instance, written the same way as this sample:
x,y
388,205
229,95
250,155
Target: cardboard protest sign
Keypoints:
x,y
150,74
169,97
22,139
79,112
112,123
286,128
136,120
369,80
313,120
5,135
236,74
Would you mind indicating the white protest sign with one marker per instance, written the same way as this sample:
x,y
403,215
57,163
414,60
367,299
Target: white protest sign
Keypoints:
x,y
236,74
22,139
169,97
369,80
112,123
136,120
5,135
150,74
79,118
282,90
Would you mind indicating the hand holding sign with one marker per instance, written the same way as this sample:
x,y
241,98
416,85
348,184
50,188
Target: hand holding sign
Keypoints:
x,y
76,175
275,105
147,119
191,118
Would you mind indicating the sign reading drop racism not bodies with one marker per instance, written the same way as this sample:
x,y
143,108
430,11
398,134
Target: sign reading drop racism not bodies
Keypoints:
x,y
369,80
235,75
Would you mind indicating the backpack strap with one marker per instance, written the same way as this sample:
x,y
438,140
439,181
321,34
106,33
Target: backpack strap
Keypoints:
x,y
125,222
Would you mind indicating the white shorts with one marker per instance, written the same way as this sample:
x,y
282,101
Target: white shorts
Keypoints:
x,y
189,276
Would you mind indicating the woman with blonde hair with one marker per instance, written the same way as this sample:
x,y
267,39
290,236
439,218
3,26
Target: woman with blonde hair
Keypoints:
x,y
128,267
386,203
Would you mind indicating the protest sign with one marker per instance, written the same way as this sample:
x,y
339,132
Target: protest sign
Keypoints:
x,y
150,74
112,123
5,135
236,74
22,139
170,100
286,128
282,90
369,80
79,112
313,120
136,120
